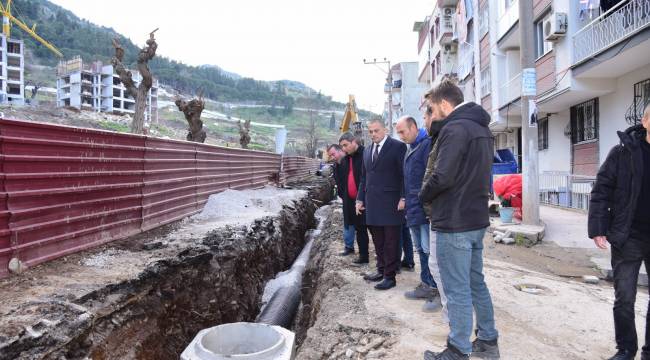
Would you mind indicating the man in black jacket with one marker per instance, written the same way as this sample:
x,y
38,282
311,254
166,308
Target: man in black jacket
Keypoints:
x,y
458,189
619,213
350,175
336,154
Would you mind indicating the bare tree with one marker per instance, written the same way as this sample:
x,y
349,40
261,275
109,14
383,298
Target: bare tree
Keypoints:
x,y
140,92
35,87
312,139
244,137
192,110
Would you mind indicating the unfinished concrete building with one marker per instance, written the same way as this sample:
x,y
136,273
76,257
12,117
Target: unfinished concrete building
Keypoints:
x,y
12,71
97,88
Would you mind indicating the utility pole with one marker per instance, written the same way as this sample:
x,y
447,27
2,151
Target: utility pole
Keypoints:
x,y
389,79
530,168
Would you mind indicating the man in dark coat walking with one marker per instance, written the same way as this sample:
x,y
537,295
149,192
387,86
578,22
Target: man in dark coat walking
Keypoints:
x,y
381,196
350,178
619,213
458,189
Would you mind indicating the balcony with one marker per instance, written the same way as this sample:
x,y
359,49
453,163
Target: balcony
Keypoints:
x,y
446,35
510,91
612,27
466,64
508,18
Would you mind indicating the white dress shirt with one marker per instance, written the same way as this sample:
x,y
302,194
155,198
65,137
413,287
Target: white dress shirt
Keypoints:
x,y
381,144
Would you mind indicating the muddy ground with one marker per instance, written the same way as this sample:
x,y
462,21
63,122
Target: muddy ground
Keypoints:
x,y
347,319
147,297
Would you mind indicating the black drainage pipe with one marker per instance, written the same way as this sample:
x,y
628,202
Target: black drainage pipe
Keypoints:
x,y
283,304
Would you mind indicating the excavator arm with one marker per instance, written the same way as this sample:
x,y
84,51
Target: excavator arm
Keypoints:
x,y
8,18
350,117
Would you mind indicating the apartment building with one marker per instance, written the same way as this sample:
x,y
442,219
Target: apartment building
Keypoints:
x,y
592,72
96,87
406,92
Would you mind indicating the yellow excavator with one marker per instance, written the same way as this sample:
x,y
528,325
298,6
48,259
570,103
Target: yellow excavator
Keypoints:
x,y
350,117
8,19
351,121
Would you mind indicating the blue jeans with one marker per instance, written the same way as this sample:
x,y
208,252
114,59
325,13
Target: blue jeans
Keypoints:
x,y
348,236
406,247
460,258
420,237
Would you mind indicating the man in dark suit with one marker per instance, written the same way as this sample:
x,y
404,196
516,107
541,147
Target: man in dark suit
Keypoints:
x,y
350,177
381,196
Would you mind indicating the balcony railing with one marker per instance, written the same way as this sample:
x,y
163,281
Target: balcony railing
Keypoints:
x,y
510,91
508,19
565,190
617,24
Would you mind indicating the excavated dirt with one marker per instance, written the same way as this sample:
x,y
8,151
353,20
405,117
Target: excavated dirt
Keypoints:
x,y
146,298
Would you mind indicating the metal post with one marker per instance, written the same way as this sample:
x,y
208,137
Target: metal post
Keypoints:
x,y
530,167
390,100
390,89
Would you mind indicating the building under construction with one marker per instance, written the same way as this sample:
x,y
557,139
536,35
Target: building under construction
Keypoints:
x,y
97,87
12,71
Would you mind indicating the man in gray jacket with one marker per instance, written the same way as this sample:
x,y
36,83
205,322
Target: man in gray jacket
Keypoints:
x,y
458,190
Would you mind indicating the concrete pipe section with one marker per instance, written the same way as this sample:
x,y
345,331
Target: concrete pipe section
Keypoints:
x,y
250,341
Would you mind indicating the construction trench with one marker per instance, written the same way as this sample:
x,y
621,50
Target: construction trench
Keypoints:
x,y
147,297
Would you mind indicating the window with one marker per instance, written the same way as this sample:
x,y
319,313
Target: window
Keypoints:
x,y
641,99
542,47
470,32
433,70
468,9
438,63
542,134
437,27
486,82
584,121
484,21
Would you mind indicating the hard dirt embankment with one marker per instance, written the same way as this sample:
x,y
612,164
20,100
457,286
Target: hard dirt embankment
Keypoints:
x,y
343,317
147,297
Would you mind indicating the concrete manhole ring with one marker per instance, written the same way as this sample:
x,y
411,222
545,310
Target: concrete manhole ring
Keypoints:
x,y
533,289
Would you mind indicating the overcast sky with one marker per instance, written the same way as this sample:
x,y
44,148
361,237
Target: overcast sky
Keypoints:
x,y
320,43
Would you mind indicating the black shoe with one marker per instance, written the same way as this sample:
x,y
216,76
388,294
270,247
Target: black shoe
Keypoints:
x,y
386,284
373,276
450,353
645,355
407,267
483,349
346,252
623,355
360,260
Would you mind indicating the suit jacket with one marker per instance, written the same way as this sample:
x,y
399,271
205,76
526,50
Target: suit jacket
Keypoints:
x,y
382,184
349,214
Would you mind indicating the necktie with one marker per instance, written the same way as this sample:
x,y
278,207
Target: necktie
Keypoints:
x,y
375,154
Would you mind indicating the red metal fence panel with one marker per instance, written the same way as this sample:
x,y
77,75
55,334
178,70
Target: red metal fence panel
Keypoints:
x,y
66,189
295,167
169,191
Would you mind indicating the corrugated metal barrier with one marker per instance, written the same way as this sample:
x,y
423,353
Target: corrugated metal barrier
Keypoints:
x,y
66,189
